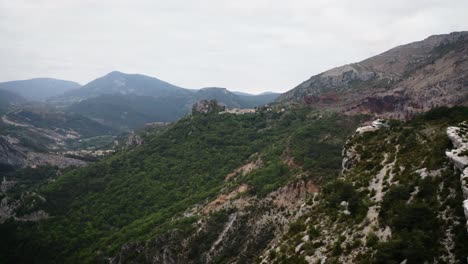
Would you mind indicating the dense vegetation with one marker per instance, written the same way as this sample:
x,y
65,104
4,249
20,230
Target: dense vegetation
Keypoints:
x,y
411,207
133,194
145,191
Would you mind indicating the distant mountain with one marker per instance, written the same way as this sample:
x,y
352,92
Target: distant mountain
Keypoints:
x,y
222,95
128,101
241,93
127,112
123,84
39,89
234,99
257,100
8,99
269,93
405,80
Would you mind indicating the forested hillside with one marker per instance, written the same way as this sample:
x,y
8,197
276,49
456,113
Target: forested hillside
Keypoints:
x,y
263,187
135,195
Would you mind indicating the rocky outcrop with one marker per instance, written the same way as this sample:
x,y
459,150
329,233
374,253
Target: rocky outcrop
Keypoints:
x,y
207,106
164,249
10,155
376,125
242,234
133,140
23,209
459,156
350,154
18,157
35,159
245,169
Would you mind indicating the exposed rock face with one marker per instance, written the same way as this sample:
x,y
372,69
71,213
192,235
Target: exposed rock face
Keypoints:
x,y
244,231
376,125
35,159
398,83
10,155
207,106
163,249
459,156
133,140
350,154
17,156
245,169
9,208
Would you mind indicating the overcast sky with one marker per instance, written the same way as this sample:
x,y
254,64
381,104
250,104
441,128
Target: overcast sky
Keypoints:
x,y
243,45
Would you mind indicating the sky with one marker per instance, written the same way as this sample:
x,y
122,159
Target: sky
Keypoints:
x,y
243,45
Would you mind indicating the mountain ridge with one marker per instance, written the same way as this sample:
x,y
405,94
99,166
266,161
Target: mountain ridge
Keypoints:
x,y
39,89
112,98
315,178
398,83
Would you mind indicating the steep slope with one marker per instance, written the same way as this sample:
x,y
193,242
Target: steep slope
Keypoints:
x,y
274,186
398,200
275,191
40,134
146,191
39,89
398,83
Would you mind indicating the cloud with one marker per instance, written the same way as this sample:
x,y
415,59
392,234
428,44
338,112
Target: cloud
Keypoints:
x,y
245,45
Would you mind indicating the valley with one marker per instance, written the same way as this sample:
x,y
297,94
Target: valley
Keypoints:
x,y
364,163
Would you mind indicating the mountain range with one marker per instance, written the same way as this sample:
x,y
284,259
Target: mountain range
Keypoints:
x,y
364,163
127,101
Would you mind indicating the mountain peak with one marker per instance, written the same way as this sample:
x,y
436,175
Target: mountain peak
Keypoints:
x,y
398,83
115,73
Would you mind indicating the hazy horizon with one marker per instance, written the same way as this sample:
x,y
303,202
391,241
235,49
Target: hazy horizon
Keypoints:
x,y
246,46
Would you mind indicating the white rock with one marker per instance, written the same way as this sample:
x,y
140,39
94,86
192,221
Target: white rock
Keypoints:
x,y
376,125
465,207
365,129
459,161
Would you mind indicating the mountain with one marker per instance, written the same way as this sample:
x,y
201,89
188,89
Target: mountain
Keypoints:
x,y
9,99
405,80
128,101
124,84
233,99
127,112
39,89
222,95
259,100
241,93
277,189
314,178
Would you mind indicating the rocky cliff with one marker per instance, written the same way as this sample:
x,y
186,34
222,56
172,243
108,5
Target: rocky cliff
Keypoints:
x,y
459,156
408,79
